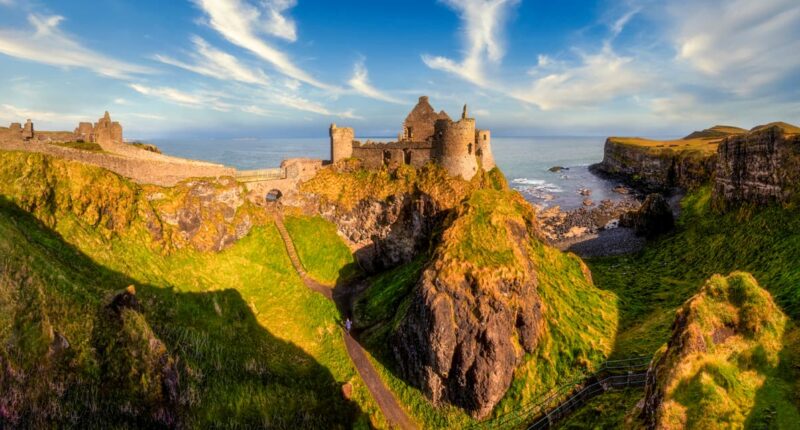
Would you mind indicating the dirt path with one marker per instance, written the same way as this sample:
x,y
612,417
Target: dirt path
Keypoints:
x,y
394,414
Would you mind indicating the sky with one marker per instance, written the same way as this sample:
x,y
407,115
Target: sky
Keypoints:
x,y
281,68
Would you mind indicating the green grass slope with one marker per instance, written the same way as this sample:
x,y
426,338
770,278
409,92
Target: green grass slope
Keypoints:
x,y
652,284
322,252
252,346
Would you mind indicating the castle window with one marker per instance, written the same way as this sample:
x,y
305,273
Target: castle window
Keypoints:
x,y
484,137
407,156
387,157
409,133
469,148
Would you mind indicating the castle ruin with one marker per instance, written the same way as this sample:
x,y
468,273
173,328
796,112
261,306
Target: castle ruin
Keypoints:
x,y
426,136
104,132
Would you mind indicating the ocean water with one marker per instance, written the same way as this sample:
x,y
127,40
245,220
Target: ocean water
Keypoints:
x,y
524,160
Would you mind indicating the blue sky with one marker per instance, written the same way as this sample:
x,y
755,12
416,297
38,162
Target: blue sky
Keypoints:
x,y
259,68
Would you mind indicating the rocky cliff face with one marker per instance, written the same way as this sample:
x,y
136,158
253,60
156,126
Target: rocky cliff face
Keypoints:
x,y
475,310
391,231
207,215
759,167
654,168
390,217
724,343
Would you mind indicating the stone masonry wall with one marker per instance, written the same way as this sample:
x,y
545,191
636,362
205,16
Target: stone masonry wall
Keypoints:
x,y
166,172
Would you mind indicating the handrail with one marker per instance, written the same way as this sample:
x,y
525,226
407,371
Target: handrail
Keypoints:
x,y
582,388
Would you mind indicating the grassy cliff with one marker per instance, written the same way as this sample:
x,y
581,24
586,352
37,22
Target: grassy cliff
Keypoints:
x,y
579,319
250,344
720,367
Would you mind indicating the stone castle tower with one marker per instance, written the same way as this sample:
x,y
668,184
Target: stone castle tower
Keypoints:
x,y
426,136
341,142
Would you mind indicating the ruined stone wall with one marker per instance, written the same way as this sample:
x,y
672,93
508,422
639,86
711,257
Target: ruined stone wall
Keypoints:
x,y
457,147
483,140
107,133
375,155
165,172
341,142
84,132
419,125
371,158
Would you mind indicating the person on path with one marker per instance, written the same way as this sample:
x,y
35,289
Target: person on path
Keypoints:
x,y
348,324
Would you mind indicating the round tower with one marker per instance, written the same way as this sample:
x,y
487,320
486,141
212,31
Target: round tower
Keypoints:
x,y
457,147
341,142
483,140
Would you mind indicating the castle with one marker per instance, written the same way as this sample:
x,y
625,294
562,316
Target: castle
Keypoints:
x,y
104,132
426,136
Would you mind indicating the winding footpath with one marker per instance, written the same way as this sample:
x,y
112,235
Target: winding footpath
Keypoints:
x,y
386,401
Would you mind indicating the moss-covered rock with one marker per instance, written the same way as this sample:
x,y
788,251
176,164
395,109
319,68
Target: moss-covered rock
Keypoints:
x,y
725,345
206,214
477,311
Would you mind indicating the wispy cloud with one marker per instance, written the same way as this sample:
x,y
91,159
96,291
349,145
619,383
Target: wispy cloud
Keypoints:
x,y
481,25
241,24
360,83
745,46
212,62
45,43
172,95
10,113
597,78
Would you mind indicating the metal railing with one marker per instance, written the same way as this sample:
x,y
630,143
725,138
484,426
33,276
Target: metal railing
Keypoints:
x,y
260,175
557,403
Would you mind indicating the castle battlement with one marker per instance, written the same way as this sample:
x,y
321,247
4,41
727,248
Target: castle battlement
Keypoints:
x,y
426,136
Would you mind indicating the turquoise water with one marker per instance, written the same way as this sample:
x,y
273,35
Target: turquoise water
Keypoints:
x,y
524,160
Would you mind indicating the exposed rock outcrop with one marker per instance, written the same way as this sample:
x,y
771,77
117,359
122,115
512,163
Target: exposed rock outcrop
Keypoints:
x,y
389,217
724,345
391,231
658,166
760,167
475,310
653,218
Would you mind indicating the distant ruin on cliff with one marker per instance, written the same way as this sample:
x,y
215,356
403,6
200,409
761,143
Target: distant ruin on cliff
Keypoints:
x,y
426,136
104,132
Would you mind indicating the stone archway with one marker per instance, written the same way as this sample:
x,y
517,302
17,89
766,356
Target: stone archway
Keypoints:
x,y
273,195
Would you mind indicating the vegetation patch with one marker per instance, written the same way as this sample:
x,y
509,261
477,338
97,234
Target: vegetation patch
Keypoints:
x,y
83,146
253,347
726,346
322,252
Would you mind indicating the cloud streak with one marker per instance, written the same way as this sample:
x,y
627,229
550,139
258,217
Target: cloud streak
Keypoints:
x,y
481,25
212,62
241,24
746,46
46,43
360,83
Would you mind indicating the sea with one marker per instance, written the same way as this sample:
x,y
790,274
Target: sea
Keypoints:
x,y
526,162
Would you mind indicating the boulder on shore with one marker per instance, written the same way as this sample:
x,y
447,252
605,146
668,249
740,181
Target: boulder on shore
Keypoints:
x,y
653,218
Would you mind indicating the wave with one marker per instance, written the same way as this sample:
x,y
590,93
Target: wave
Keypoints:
x,y
535,187
526,181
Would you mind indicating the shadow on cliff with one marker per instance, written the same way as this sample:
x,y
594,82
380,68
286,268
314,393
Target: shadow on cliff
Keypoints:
x,y
155,358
